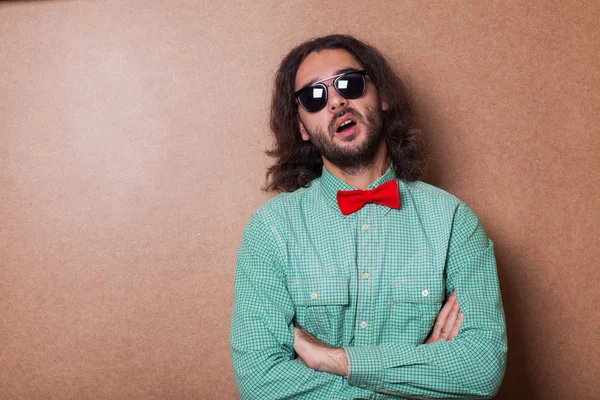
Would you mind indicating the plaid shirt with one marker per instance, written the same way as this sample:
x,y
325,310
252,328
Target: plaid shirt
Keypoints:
x,y
372,283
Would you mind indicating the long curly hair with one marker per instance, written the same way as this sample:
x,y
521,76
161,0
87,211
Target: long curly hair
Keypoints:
x,y
298,162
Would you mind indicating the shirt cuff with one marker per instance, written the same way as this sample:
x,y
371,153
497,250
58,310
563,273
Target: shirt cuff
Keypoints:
x,y
365,367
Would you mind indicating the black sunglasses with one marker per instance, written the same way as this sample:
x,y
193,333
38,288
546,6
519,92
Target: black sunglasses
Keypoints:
x,y
350,85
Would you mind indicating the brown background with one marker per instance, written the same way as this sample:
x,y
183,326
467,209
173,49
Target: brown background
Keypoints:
x,y
131,156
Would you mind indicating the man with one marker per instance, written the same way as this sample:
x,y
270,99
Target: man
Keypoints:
x,y
348,284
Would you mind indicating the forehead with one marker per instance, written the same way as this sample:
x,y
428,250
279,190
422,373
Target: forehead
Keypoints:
x,y
323,64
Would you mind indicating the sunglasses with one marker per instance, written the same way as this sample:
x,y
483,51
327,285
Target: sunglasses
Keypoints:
x,y
350,85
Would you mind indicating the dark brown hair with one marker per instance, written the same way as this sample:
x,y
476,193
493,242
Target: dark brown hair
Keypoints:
x,y
298,162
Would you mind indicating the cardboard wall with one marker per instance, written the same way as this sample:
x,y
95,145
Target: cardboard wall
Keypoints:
x,y
131,156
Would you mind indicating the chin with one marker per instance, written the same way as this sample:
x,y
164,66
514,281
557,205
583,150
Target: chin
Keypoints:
x,y
350,138
354,138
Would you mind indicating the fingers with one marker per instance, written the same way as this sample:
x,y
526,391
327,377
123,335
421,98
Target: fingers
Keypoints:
x,y
297,339
454,320
307,349
448,321
440,322
447,330
459,320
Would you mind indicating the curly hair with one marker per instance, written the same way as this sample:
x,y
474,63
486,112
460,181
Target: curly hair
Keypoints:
x,y
298,162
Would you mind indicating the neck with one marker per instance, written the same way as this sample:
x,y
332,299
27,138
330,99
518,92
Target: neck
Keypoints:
x,y
362,177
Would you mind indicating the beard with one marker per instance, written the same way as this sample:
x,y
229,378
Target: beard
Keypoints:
x,y
355,157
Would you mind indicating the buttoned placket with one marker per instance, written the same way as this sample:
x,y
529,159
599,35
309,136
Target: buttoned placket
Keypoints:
x,y
365,267
367,226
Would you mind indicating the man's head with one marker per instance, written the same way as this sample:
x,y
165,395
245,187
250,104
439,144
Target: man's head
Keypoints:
x,y
324,106
346,131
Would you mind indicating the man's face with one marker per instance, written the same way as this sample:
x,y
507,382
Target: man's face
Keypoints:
x,y
354,144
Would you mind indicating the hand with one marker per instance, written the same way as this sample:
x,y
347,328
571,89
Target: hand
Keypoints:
x,y
317,355
448,321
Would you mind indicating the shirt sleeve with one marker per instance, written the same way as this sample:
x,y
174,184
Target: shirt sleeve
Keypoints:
x,y
262,331
470,366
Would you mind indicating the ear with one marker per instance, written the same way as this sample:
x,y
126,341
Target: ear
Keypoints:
x,y
303,132
384,105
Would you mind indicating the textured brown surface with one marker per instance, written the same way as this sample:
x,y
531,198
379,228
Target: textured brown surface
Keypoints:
x,y
131,141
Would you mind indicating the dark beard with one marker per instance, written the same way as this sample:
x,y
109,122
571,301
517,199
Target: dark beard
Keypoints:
x,y
351,160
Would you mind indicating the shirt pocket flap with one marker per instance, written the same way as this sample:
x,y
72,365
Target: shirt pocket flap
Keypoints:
x,y
319,292
418,290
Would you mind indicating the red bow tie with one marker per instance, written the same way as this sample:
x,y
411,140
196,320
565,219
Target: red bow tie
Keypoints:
x,y
386,194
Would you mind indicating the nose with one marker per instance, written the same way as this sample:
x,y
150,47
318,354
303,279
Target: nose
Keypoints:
x,y
336,101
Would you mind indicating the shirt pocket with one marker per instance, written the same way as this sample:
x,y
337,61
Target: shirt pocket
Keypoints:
x,y
320,307
414,308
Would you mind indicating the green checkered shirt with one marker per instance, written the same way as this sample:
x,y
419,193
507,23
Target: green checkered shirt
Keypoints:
x,y
372,283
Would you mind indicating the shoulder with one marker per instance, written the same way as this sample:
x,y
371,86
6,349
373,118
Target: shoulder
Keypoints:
x,y
427,196
429,199
283,205
270,224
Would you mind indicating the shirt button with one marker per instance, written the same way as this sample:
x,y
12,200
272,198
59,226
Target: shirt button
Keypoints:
x,y
366,275
314,295
363,385
363,324
365,227
425,292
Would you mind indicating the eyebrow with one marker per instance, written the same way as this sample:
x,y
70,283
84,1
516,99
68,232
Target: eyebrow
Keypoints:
x,y
337,72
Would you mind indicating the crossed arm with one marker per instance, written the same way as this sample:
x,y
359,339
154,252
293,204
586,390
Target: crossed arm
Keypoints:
x,y
471,365
319,356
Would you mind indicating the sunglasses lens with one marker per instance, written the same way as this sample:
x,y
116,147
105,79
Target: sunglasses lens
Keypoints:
x,y
351,85
313,98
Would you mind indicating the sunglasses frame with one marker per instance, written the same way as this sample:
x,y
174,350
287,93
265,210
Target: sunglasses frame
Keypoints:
x,y
325,87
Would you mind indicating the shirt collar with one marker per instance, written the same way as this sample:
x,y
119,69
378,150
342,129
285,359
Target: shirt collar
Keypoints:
x,y
330,184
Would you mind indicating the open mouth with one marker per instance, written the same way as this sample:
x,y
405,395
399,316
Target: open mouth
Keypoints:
x,y
345,126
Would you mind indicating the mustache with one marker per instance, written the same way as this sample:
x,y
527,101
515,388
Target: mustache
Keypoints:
x,y
346,110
